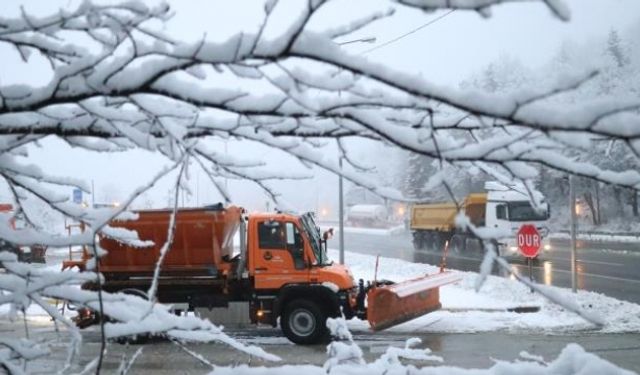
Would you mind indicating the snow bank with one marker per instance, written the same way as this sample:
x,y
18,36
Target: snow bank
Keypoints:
x,y
611,237
363,230
464,310
572,360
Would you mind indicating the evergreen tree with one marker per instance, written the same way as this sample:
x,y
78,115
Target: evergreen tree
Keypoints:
x,y
615,49
417,173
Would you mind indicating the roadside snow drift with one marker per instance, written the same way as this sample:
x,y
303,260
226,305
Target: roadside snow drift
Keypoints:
x,y
572,360
464,310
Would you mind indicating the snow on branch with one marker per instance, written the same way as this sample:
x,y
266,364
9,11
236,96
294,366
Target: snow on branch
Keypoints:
x,y
557,7
23,284
144,89
118,81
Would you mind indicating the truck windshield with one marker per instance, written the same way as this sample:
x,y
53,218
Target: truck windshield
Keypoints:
x,y
523,211
313,231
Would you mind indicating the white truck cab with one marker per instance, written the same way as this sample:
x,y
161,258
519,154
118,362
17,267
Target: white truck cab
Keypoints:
x,y
508,208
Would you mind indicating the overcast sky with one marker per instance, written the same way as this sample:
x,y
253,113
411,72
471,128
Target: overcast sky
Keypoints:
x,y
446,52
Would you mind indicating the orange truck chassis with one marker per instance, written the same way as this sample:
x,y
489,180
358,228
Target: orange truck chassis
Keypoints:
x,y
280,268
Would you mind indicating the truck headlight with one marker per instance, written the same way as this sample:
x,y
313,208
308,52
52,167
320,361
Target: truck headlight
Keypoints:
x,y
547,247
513,249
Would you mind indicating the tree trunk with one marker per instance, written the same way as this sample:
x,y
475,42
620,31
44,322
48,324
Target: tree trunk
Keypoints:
x,y
617,196
598,202
589,199
634,202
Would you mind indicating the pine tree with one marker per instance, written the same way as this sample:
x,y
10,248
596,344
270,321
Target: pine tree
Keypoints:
x,y
417,174
615,49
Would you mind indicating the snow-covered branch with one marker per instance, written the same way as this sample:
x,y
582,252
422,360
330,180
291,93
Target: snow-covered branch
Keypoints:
x,y
118,81
144,89
22,285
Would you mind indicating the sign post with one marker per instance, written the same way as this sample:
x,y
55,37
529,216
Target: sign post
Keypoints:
x,y
572,205
529,241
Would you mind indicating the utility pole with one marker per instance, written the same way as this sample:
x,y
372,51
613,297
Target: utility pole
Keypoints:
x,y
572,206
341,213
369,39
226,179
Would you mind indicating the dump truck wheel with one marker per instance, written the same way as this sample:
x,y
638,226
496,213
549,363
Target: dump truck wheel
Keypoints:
x,y
427,241
438,243
418,243
304,322
457,244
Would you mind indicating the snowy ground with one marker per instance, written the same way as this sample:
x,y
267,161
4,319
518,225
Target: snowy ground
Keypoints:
x,y
465,310
613,237
363,230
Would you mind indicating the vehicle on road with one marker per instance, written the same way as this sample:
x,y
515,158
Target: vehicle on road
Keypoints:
x,y
505,208
367,215
280,271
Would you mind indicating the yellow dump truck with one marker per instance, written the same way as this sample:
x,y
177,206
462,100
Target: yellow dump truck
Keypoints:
x,y
501,207
434,223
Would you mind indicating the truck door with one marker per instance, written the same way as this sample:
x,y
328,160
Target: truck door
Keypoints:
x,y
279,257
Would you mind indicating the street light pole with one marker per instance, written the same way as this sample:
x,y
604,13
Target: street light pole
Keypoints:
x,y
341,213
572,206
370,39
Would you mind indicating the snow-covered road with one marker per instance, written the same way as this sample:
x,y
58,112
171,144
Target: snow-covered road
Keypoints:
x,y
465,310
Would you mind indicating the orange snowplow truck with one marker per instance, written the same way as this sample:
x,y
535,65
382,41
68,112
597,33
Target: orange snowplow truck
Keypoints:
x,y
280,269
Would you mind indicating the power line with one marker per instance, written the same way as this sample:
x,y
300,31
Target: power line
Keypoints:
x,y
409,33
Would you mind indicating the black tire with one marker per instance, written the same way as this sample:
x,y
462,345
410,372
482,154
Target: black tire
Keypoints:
x,y
474,246
304,323
457,244
418,243
427,241
437,242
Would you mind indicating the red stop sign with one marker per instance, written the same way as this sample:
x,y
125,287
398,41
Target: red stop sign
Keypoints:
x,y
529,241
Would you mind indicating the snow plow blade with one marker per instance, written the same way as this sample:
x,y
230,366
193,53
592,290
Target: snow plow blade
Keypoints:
x,y
391,305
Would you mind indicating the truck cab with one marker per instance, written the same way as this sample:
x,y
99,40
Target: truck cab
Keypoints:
x,y
508,209
293,277
285,249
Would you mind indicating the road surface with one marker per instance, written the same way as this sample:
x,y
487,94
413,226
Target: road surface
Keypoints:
x,y
611,268
468,350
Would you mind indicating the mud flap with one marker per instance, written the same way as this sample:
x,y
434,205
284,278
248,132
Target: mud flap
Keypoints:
x,y
391,305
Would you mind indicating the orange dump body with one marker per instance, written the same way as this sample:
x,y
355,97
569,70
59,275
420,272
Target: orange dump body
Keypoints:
x,y
203,237
391,305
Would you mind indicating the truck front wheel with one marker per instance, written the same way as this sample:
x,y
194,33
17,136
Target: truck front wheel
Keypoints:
x,y
418,243
304,323
457,244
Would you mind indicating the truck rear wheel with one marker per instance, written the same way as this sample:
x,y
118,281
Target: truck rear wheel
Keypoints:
x,y
304,322
418,243
437,242
427,241
457,244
